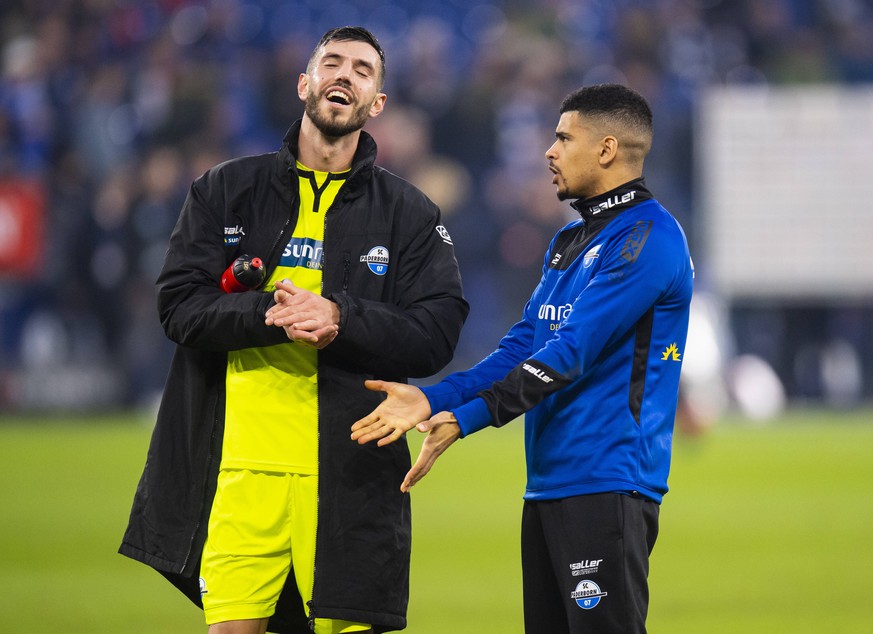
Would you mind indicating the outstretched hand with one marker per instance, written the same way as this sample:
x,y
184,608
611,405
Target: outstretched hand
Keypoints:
x,y
443,430
403,408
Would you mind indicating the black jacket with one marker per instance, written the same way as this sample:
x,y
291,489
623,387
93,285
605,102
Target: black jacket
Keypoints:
x,y
402,324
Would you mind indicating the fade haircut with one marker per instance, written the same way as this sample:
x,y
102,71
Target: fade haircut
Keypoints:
x,y
615,110
349,34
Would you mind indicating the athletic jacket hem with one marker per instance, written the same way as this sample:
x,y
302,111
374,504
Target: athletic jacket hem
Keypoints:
x,y
590,488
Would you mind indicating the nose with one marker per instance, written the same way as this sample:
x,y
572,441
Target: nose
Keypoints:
x,y
550,153
344,70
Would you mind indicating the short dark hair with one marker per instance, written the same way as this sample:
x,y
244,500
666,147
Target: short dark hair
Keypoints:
x,y
613,102
350,34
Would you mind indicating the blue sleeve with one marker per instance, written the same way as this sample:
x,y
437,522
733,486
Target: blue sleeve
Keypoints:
x,y
643,265
460,388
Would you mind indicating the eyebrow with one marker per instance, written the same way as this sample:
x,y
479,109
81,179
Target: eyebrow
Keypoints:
x,y
356,61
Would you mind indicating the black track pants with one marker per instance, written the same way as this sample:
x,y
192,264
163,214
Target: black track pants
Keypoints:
x,y
585,562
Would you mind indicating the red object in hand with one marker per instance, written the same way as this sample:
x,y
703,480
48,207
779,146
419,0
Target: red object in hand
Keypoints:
x,y
243,274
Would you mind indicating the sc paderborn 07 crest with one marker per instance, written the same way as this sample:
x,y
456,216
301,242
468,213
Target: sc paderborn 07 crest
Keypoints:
x,y
587,594
377,260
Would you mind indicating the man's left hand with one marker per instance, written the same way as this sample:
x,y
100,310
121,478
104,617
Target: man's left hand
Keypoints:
x,y
443,430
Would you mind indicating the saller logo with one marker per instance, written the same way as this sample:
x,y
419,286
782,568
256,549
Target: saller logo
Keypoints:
x,y
614,201
542,376
232,235
585,567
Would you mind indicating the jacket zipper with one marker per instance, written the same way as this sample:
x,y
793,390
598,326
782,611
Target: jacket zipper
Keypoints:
x,y
277,243
347,270
311,601
346,273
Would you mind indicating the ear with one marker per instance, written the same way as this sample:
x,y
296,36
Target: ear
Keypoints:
x,y
608,149
303,86
378,104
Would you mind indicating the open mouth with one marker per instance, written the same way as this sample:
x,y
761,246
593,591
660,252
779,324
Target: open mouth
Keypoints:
x,y
339,97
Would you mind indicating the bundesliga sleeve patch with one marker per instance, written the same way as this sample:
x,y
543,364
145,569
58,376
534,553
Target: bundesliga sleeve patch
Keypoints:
x,y
444,234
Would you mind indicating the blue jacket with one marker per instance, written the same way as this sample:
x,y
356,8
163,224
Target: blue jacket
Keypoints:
x,y
594,362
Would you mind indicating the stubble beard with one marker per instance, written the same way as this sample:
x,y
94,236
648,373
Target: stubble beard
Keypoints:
x,y
562,191
329,124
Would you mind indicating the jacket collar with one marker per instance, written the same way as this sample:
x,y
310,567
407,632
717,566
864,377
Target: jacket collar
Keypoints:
x,y
362,163
609,204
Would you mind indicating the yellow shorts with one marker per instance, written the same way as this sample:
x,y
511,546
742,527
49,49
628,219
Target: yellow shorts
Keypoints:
x,y
262,524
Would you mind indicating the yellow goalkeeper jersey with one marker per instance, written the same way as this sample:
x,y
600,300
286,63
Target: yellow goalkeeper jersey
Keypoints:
x,y
271,421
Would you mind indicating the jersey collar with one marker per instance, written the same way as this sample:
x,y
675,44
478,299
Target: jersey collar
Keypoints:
x,y
613,202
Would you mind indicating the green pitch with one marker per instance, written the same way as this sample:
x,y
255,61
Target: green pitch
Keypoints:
x,y
766,529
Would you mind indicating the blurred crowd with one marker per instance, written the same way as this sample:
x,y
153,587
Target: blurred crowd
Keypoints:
x,y
110,108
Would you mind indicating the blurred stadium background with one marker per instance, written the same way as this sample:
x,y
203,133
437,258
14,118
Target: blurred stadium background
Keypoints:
x,y
764,121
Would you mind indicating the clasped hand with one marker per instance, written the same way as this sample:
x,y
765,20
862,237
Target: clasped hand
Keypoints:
x,y
307,317
406,407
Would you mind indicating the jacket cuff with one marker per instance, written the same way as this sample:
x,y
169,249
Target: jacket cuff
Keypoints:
x,y
342,302
473,416
443,397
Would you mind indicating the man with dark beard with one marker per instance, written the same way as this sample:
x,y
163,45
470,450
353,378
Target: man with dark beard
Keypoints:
x,y
254,501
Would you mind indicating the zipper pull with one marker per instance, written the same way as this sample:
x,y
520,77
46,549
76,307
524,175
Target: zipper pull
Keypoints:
x,y
311,618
